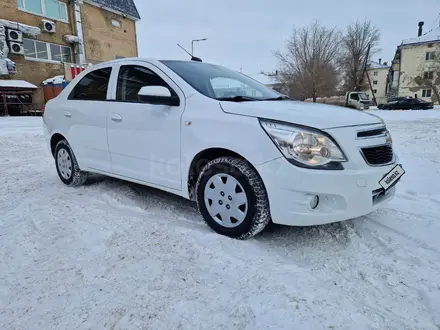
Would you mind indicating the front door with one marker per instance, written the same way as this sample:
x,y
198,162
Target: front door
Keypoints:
x,y
144,139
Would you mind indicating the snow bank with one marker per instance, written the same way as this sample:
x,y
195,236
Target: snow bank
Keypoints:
x,y
431,36
115,255
26,29
17,84
57,80
407,115
72,39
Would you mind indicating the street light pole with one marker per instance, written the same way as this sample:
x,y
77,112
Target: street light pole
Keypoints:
x,y
192,44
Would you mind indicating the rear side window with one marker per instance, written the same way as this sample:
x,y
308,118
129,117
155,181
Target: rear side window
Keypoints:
x,y
93,87
132,78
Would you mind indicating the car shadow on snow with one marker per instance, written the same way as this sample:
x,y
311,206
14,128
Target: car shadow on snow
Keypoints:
x,y
127,194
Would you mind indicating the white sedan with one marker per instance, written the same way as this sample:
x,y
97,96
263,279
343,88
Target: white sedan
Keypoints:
x,y
244,152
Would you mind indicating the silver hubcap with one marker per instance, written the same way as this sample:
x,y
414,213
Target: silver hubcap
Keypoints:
x,y
226,200
64,164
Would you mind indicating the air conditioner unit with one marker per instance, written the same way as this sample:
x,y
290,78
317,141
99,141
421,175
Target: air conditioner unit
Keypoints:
x,y
16,48
14,35
49,26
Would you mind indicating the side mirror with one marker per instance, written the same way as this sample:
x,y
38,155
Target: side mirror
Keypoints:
x,y
158,95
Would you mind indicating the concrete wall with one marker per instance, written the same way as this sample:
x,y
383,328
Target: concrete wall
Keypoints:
x,y
103,41
36,71
412,63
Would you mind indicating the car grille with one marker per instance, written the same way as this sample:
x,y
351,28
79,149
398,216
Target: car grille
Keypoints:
x,y
379,155
372,133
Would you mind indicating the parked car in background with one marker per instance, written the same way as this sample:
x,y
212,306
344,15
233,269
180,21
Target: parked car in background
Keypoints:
x,y
406,103
357,100
247,158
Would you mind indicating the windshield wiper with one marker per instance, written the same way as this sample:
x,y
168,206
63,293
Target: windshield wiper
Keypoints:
x,y
238,98
279,98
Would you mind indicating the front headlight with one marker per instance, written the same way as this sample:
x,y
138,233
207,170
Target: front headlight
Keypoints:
x,y
305,147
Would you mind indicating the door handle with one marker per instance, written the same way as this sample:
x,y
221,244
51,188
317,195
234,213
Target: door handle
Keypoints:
x,y
116,117
67,114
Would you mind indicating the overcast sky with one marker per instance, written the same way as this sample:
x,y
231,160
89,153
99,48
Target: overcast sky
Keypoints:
x,y
245,33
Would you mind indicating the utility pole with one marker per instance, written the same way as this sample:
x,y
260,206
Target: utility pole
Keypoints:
x,y
365,71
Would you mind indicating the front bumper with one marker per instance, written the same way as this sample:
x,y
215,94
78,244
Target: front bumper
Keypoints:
x,y
343,195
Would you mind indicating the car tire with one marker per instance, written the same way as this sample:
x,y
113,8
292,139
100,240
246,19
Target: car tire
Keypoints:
x,y
67,165
231,187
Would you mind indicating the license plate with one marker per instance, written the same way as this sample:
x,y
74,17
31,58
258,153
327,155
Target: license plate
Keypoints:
x,y
392,177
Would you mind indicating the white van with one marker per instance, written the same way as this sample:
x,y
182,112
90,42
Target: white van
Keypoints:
x,y
245,153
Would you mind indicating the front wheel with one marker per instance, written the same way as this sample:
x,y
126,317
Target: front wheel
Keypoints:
x,y
232,198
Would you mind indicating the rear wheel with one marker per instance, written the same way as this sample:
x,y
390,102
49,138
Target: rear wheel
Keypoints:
x,y
232,199
67,166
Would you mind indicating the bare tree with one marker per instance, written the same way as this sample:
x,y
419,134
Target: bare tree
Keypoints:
x,y
308,66
355,41
429,77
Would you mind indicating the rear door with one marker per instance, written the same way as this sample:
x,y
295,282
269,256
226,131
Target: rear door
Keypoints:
x,y
86,114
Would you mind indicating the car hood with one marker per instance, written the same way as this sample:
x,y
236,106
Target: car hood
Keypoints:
x,y
315,115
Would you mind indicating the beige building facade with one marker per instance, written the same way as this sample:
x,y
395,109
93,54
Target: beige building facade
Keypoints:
x,y
416,59
75,32
378,73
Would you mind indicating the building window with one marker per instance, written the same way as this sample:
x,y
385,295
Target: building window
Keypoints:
x,y
44,51
48,8
375,73
116,23
93,87
374,82
429,56
375,91
426,93
429,75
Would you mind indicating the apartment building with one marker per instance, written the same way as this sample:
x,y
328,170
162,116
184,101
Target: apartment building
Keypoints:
x,y
45,37
416,66
378,73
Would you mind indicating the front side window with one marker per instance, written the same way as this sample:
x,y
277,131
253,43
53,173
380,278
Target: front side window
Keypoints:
x,y
354,97
218,82
132,78
92,87
34,49
49,8
363,96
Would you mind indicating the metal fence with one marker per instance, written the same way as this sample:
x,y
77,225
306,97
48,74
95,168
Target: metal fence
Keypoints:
x,y
19,104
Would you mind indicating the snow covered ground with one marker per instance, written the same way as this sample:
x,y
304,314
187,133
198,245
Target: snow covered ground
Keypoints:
x,y
115,255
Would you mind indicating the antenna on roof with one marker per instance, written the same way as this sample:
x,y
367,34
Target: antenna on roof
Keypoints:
x,y
193,58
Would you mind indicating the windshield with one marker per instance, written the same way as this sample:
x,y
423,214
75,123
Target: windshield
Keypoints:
x,y
219,83
363,96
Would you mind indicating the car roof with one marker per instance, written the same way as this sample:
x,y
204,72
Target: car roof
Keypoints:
x,y
145,59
